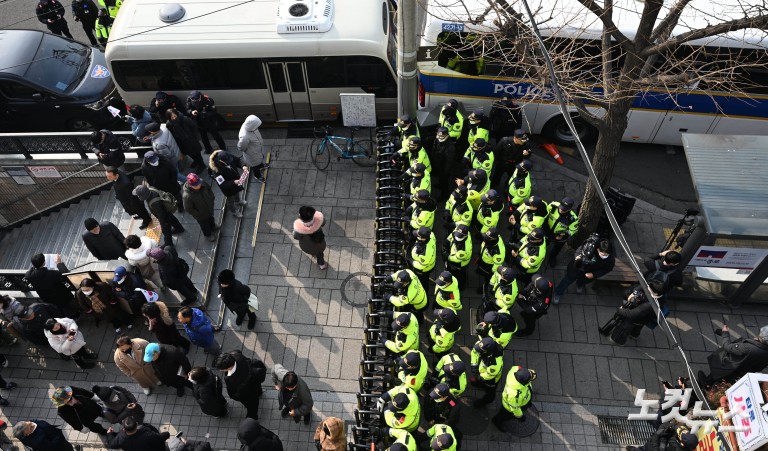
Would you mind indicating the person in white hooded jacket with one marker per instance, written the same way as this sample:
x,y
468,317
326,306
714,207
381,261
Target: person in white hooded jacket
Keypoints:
x,y
65,337
251,144
136,253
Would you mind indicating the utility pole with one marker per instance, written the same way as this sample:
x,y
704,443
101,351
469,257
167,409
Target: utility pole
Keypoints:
x,y
407,45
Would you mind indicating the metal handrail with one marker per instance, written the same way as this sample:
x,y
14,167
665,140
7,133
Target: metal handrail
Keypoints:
x,y
45,187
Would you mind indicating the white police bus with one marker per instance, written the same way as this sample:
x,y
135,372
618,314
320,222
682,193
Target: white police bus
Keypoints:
x,y
283,60
660,117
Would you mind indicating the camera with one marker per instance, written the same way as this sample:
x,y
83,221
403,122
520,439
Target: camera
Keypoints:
x,y
589,247
636,296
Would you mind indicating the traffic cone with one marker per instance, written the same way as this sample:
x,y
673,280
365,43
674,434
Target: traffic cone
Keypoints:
x,y
552,150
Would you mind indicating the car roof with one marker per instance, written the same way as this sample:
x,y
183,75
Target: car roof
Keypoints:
x,y
19,47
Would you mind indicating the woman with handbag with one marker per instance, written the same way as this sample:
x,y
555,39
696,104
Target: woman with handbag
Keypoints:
x,y
308,229
235,296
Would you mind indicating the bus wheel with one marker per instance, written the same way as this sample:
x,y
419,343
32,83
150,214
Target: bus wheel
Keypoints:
x,y
558,132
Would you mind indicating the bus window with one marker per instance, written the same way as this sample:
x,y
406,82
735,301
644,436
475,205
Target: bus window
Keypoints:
x,y
189,74
460,52
366,72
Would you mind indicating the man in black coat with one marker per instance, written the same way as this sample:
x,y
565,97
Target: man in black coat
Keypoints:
x,y
256,437
166,361
668,262
135,437
50,284
107,148
161,103
86,12
243,378
104,241
173,272
592,260
51,13
78,408
124,194
235,296
736,357
207,389
168,222
510,151
161,174
31,322
40,435
635,313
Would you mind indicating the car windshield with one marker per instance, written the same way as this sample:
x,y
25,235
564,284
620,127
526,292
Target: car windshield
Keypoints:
x,y
58,64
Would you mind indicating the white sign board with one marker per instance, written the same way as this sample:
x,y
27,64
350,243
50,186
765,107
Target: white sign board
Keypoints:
x,y
746,398
44,171
358,110
728,257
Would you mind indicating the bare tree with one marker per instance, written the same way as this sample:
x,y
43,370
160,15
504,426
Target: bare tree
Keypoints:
x,y
602,74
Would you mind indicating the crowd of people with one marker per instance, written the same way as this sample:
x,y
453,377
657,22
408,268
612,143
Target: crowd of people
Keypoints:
x,y
480,192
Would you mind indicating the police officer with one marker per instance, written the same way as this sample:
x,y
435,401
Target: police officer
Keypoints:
x,y
532,214
477,184
442,438
406,331
562,223
103,26
500,326
487,361
423,254
447,292
457,210
592,260
112,6
534,299
505,116
492,253
418,178
203,111
529,254
457,253
519,187
501,292
446,161
516,396
412,148
421,212
404,441
413,370
51,14
479,156
490,210
452,119
443,331
479,127
85,12
410,294
401,408
442,407
452,372
404,129
510,151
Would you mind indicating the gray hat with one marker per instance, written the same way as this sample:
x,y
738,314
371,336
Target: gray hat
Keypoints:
x,y
763,334
142,192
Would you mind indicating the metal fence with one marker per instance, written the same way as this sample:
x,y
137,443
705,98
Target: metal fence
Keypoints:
x,y
43,171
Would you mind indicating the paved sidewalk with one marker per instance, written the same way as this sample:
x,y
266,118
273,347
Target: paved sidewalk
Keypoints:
x,y
306,325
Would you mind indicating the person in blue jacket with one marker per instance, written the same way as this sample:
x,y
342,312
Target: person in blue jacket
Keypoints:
x,y
199,329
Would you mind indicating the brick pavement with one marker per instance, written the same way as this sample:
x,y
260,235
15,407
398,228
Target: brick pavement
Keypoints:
x,y
305,325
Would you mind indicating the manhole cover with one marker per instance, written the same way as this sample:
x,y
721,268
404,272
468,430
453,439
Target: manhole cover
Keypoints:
x,y
356,289
621,431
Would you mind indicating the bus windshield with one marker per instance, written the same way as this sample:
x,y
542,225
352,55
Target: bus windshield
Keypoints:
x,y
58,64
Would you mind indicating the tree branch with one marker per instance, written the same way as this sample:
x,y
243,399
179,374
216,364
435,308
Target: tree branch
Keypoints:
x,y
606,54
665,27
593,120
610,27
759,22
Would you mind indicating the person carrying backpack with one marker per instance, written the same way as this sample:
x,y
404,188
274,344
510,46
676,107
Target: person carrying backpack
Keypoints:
x,y
665,267
243,377
159,206
173,272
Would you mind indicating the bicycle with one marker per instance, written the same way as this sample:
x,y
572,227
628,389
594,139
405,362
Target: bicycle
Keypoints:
x,y
361,152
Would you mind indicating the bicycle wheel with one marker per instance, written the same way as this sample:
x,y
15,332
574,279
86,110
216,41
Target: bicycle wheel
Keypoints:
x,y
319,153
363,153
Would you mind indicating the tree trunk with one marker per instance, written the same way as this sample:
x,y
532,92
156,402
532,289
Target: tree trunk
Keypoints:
x,y
606,151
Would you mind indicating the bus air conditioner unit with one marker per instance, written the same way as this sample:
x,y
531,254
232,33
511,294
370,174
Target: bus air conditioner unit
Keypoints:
x,y
304,16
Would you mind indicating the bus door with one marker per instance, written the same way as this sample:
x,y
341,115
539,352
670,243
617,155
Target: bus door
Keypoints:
x,y
686,113
290,94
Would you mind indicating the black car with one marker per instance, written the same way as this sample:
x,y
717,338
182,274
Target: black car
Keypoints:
x,y
51,83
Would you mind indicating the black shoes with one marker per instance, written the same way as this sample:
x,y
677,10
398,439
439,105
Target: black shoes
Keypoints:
x,y
251,322
144,224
